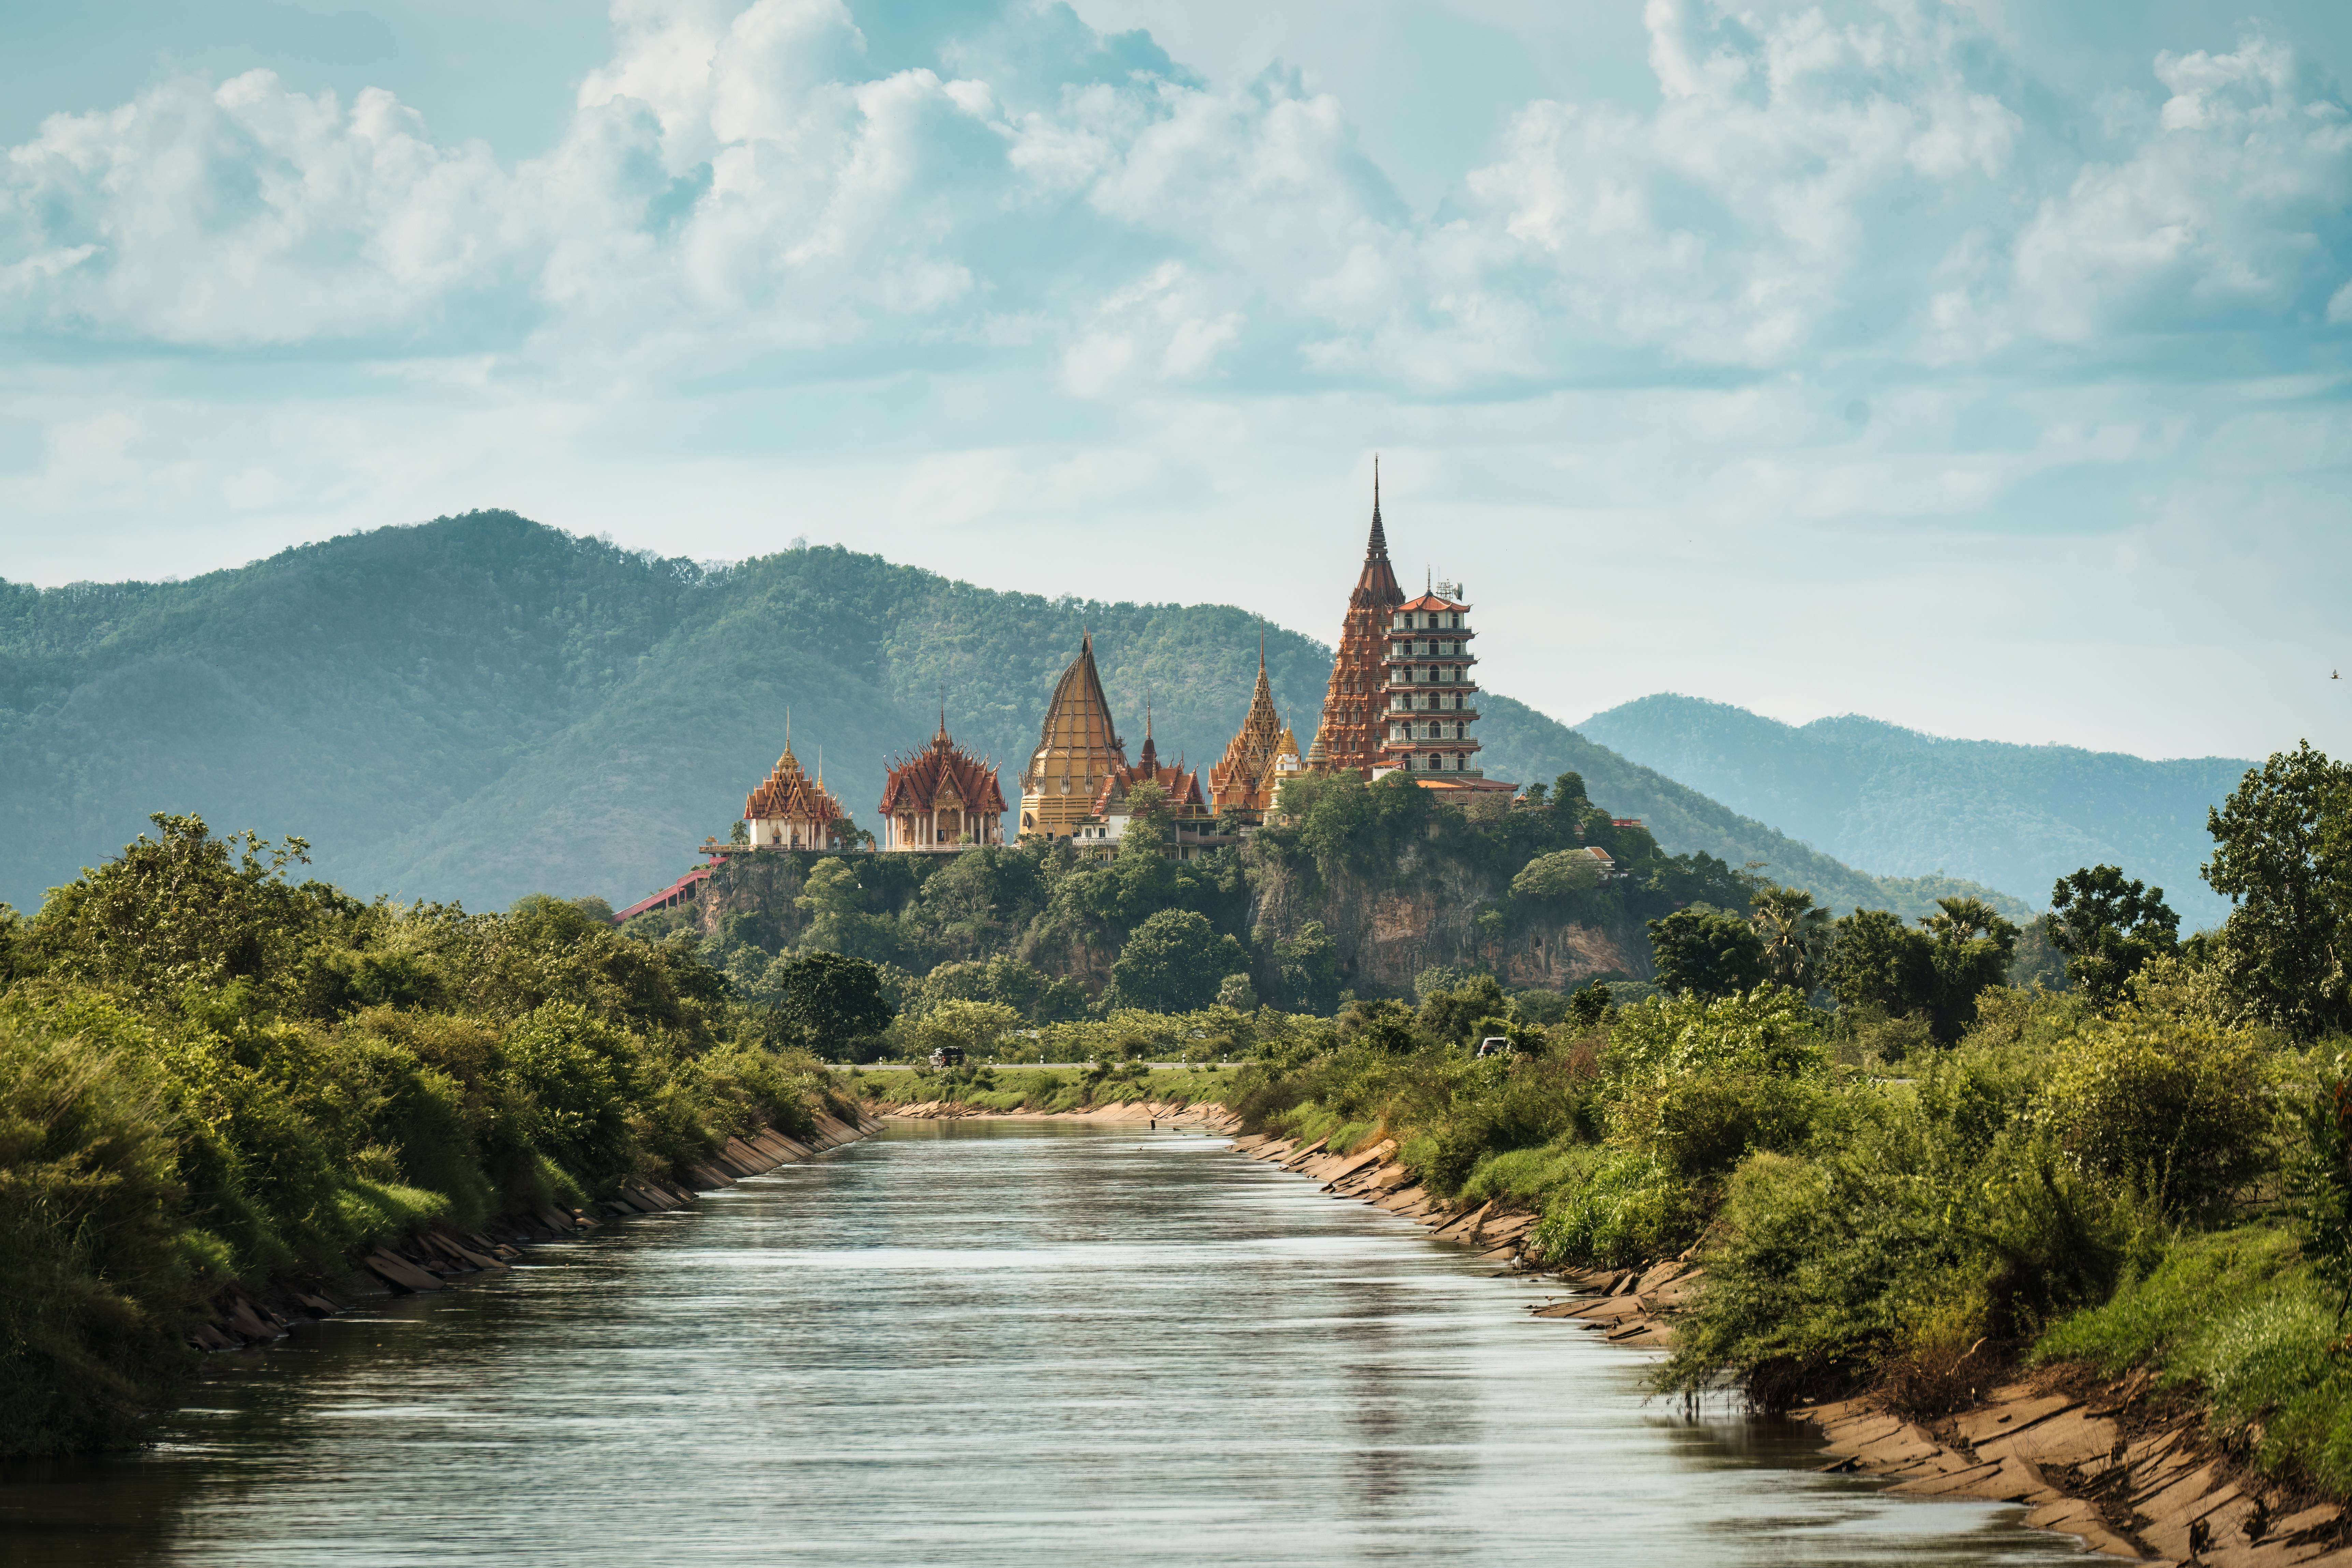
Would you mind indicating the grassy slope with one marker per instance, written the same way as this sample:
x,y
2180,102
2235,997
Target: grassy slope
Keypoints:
x,y
482,707
2014,817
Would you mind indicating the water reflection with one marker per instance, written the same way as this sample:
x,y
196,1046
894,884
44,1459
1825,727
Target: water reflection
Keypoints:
x,y
987,1343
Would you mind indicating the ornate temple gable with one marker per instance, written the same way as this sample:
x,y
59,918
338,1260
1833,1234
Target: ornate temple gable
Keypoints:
x,y
1243,780
940,797
790,810
1351,732
1181,784
1077,747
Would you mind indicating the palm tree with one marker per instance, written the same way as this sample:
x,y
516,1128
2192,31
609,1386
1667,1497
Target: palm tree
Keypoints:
x,y
1962,919
1795,935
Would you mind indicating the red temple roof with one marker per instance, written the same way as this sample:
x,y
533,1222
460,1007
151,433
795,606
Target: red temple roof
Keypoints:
x,y
924,782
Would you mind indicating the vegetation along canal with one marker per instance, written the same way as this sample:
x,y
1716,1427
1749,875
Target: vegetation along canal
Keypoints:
x,y
978,1344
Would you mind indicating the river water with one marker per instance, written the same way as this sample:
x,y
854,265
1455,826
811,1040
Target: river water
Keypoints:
x,y
987,1343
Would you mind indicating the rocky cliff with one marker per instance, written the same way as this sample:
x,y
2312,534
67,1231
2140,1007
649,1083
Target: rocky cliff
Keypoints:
x,y
1391,924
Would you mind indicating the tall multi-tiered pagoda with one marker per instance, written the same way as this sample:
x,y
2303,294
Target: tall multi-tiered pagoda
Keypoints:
x,y
1353,733
941,800
1431,687
1078,747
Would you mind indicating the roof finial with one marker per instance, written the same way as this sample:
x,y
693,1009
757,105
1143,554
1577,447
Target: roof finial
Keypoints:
x,y
1378,544
1261,645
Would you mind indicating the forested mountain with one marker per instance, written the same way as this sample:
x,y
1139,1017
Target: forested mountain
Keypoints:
x,y
2014,817
481,707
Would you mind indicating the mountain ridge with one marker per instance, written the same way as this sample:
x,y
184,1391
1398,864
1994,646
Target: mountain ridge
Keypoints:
x,y
481,707
2010,815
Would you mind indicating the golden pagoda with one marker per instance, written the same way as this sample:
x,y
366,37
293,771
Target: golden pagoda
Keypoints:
x,y
1352,733
1245,779
1078,750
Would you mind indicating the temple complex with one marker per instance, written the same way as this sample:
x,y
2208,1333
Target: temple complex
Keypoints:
x,y
791,810
1078,748
1354,733
939,800
1402,698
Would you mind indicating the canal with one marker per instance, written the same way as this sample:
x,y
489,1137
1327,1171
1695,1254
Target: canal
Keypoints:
x,y
978,1342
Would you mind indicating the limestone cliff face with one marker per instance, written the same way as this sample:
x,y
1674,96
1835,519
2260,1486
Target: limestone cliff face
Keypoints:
x,y
766,887
1390,928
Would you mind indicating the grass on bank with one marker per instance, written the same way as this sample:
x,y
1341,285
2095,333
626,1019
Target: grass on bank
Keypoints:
x,y
2115,1186
1043,1089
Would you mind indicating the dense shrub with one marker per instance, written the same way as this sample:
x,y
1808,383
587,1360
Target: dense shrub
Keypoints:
x,y
283,1075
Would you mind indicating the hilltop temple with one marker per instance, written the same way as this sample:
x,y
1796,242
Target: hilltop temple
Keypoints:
x,y
791,810
939,800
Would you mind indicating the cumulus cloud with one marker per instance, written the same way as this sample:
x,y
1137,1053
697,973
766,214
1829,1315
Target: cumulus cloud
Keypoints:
x,y
739,186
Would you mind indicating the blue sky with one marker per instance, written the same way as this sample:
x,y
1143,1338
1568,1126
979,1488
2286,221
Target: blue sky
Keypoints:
x,y
1981,367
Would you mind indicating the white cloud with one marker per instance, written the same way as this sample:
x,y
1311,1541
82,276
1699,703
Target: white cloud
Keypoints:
x,y
1853,300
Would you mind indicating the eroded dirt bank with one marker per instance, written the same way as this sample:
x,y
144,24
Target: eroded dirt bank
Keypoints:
x,y
2126,1470
437,1258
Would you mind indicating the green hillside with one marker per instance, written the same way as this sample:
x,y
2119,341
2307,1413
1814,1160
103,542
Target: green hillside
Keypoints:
x,y
481,707
2014,817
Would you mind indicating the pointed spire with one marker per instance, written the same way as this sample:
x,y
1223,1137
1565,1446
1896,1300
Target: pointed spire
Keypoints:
x,y
1379,546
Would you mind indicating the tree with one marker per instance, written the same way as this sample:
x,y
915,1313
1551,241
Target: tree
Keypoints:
x,y
1236,991
2283,854
839,919
831,1004
1557,875
1455,1015
1795,934
977,1028
1308,964
1971,945
1875,961
1173,962
1707,950
1588,1007
2108,928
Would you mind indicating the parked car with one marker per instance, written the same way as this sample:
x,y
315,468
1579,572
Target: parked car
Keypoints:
x,y
948,1057
1493,1046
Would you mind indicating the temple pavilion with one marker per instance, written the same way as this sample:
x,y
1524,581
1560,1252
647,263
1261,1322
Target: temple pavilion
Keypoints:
x,y
941,800
791,810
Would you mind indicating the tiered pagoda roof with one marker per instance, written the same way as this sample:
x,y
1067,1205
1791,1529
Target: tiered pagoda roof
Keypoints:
x,y
1182,784
789,793
942,776
1243,779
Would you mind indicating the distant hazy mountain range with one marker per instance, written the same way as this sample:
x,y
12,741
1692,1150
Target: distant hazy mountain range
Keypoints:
x,y
2014,817
481,707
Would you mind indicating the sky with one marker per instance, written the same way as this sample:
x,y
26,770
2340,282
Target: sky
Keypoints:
x,y
1984,367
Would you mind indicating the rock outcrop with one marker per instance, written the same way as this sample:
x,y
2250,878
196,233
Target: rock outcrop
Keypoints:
x,y
1427,913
